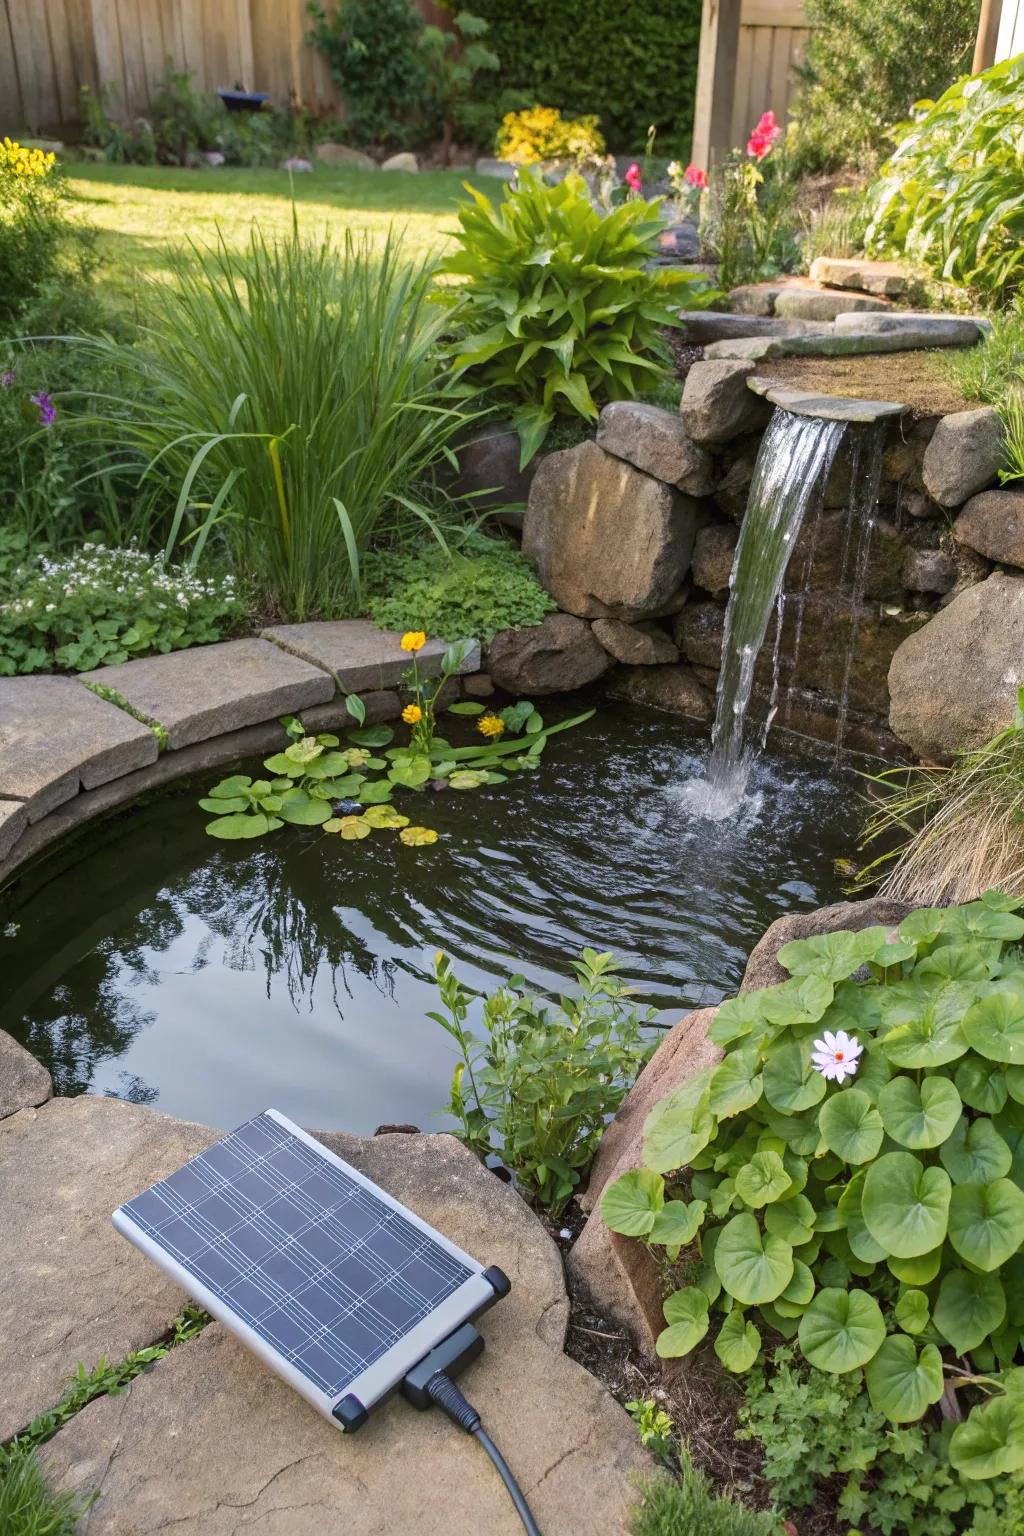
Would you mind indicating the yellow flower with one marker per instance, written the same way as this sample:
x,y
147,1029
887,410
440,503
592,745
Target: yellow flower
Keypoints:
x,y
412,714
490,725
413,640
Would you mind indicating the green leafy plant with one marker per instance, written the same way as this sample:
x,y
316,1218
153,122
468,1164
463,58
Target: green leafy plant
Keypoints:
x,y
477,587
542,133
858,1154
950,195
690,1505
653,1425
375,54
99,606
41,251
539,1084
748,219
456,62
288,401
559,311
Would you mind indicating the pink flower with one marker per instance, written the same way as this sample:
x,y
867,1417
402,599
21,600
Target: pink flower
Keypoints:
x,y
632,178
696,177
763,136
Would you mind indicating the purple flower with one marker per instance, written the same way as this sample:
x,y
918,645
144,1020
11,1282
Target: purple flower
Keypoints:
x,y
47,409
7,379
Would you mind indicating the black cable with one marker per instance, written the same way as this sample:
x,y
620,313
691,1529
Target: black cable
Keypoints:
x,y
443,1391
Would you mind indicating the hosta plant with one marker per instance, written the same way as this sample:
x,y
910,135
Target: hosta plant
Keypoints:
x,y
852,1174
560,311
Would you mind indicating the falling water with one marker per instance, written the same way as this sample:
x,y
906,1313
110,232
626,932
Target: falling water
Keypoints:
x,y
865,479
793,462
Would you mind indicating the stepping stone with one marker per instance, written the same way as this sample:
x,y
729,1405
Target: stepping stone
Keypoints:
x,y
941,330
24,1082
361,655
797,298
216,688
886,278
210,1432
710,325
57,738
851,338
827,407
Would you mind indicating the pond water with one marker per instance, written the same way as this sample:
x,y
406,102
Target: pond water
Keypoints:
x,y
150,962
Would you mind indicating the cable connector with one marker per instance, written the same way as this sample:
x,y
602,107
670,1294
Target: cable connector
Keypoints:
x,y
443,1391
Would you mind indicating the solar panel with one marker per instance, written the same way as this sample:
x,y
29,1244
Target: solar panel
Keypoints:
x,y
334,1284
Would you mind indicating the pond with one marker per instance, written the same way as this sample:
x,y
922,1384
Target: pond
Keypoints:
x,y
150,962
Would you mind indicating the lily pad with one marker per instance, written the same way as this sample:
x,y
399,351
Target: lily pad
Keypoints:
x,y
237,827
800,1001
418,837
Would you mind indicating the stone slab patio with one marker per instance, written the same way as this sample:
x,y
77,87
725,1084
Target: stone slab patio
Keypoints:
x,y
361,655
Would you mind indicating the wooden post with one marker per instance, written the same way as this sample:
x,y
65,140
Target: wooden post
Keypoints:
x,y
716,81
988,35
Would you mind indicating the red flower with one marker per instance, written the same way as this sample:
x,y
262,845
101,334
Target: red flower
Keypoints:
x,y
633,179
696,177
763,136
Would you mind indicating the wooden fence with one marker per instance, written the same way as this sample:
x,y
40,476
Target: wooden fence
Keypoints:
x,y
49,51
748,53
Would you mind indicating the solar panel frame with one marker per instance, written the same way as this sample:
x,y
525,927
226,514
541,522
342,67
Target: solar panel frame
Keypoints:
x,y
157,1222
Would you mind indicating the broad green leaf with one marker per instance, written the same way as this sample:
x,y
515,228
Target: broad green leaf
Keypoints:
x,y
831,955
902,1383
905,1205
979,920
911,1311
986,1222
924,925
762,1180
754,1267
466,707
686,1313
737,1017
301,810
920,1270
680,1125
983,1084
958,962
801,1288
975,1153
738,1342
969,1307
736,1084
800,1001
227,789
225,805
375,794
410,772
792,1220
372,736
791,1081
998,902
922,1025
1015,1085
632,1203
678,1222
234,828
994,1026
841,1330
850,1126
919,1116
990,1442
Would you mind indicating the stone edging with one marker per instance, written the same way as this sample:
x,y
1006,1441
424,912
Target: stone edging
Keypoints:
x,y
69,753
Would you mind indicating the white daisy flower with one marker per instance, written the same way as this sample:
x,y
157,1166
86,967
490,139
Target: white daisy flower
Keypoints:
x,y
837,1056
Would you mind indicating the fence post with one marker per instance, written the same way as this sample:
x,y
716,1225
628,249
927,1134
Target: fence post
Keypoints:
x,y
716,80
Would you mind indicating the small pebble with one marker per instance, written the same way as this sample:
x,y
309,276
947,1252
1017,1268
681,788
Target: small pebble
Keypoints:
x,y
565,1234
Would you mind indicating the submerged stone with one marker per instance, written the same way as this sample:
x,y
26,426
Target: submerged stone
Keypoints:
x,y
640,645
674,689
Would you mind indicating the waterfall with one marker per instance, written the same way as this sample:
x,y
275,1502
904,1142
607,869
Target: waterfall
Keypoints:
x,y
793,462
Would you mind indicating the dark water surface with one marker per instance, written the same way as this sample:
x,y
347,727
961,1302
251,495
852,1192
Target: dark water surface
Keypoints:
x,y
150,962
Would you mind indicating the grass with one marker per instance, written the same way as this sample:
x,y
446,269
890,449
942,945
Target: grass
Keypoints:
x,y
143,213
691,1507
28,1507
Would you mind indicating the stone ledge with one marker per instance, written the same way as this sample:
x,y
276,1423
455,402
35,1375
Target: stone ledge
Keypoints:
x,y
825,407
24,1082
359,654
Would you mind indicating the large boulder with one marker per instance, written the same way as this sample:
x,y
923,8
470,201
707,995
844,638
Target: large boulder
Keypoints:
x,y
555,656
655,441
964,455
717,405
636,645
992,524
763,968
887,278
953,684
489,472
24,1082
674,689
343,154
607,540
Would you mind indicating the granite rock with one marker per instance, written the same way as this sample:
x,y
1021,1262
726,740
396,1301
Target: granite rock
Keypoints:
x,y
655,441
556,656
964,455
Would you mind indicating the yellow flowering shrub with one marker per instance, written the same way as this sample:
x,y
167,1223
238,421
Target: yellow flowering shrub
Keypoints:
x,y
541,133
41,255
26,164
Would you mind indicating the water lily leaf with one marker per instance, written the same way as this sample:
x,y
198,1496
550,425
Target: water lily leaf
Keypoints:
x,y
686,1313
902,1383
372,736
303,751
994,1026
911,1311
331,766
224,805
412,772
754,1267
736,1084
762,1180
301,810
919,1115
920,1270
986,1222
905,1205
417,837
286,766
800,1001
831,955
850,1126
678,1222
227,789
352,828
841,1330
384,816
469,778
632,1202
680,1125
984,1084
975,1152
791,1081
923,1023
792,1220
969,1307
376,793
338,789
738,1342
990,1442
737,1017
233,828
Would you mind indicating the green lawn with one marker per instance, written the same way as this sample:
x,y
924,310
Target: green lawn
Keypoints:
x,y
143,212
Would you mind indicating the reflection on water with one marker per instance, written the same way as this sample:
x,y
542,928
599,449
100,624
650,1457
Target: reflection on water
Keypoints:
x,y
214,979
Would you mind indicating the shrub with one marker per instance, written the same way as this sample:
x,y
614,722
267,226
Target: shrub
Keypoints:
x,y
373,48
456,61
481,586
541,1083
290,398
950,195
541,133
41,254
559,311
867,62
854,1171
633,62
100,606
691,1506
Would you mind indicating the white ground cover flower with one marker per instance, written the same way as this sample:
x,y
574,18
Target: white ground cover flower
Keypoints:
x,y
837,1056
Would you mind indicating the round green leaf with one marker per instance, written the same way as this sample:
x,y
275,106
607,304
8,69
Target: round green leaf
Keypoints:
x,y
831,955
791,1219
800,1001
686,1313
980,920
957,962
969,1308
763,1180
975,1153
994,1026
922,1024
225,805
678,1223
300,810
923,925
791,1081
738,1342
680,1125
911,1311
920,1270
233,828
801,1288
919,1116
850,1126
754,1267
841,1330
990,1442
901,1383
1014,1084
736,1084
905,1205
738,1016
983,1084
986,1222
631,1204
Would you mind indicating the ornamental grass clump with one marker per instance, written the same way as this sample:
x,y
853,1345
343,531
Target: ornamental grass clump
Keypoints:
x,y
852,1175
